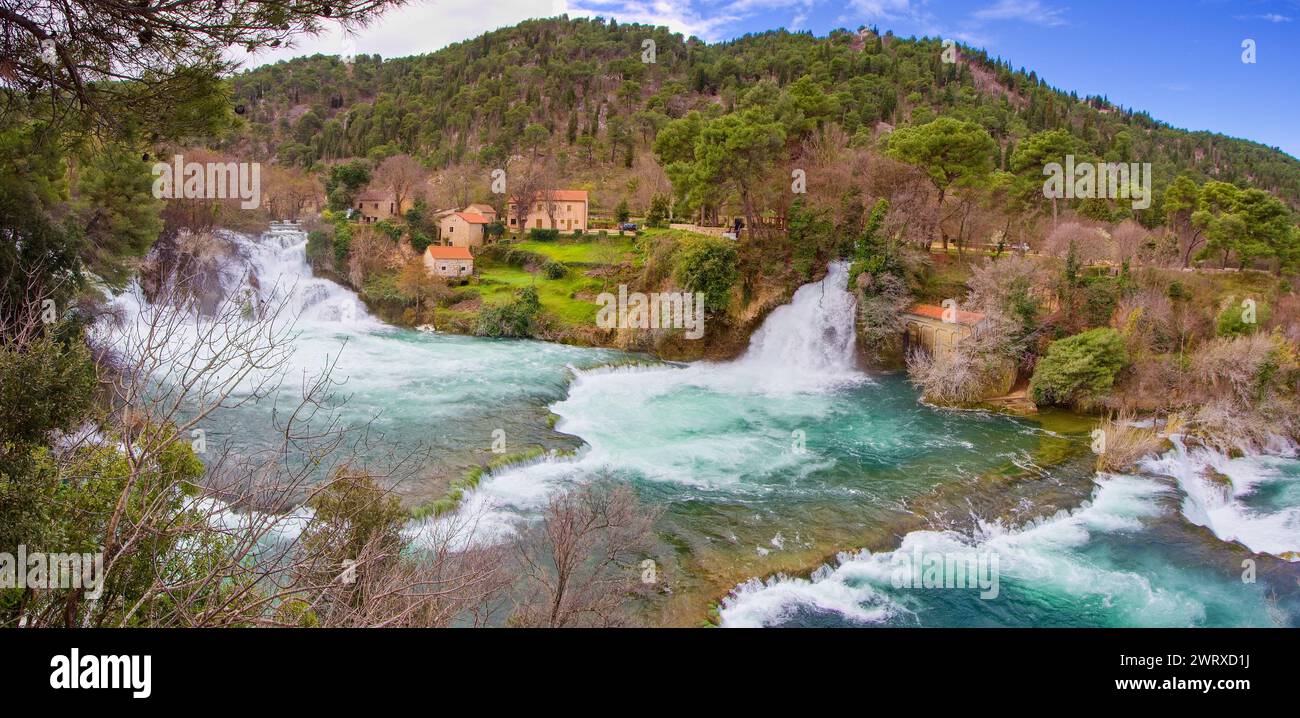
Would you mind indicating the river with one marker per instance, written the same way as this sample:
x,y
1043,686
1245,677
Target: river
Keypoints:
x,y
793,457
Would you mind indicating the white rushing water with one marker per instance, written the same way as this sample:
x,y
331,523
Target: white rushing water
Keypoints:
x,y
1255,500
279,262
861,586
415,392
708,424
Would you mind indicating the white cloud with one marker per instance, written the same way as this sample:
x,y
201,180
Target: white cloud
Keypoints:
x,y
1030,11
414,29
676,15
884,9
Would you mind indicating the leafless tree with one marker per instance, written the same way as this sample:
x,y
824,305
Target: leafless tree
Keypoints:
x,y
402,176
531,183
578,565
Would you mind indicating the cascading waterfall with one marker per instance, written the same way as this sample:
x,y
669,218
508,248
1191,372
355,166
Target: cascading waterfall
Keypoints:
x,y
1253,500
277,264
687,425
436,396
813,336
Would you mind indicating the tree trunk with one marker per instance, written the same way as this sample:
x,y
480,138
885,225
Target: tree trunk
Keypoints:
x,y
943,236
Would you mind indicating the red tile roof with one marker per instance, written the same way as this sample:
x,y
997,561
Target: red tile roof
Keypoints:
x,y
932,311
449,252
473,217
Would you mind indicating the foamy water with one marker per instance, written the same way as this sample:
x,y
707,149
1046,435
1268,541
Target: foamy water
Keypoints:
x,y
1264,526
713,425
1087,567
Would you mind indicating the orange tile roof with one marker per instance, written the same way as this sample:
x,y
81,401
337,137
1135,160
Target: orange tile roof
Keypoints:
x,y
473,217
932,311
449,252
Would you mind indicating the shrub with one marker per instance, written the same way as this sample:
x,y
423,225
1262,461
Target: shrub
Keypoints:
x,y
342,244
1100,297
554,270
420,241
518,318
1078,369
319,251
708,265
512,255
1245,369
1235,319
537,234
388,229
1126,443
658,214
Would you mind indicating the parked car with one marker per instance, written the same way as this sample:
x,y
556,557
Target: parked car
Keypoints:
x,y
628,226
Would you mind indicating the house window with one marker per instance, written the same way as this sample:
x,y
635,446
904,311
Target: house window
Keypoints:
x,y
568,208
444,267
512,220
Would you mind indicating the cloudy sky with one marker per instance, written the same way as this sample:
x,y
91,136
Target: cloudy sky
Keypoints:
x,y
1180,60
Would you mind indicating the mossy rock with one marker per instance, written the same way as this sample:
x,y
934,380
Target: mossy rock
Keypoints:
x,y
1219,479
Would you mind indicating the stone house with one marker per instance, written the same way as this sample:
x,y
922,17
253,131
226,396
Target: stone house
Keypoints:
x,y
562,209
373,206
463,229
449,262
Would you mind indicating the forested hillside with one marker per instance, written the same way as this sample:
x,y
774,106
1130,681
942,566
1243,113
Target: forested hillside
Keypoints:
x,y
585,85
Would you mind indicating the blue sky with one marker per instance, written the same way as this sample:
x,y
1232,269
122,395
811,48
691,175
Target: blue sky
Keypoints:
x,y
1179,61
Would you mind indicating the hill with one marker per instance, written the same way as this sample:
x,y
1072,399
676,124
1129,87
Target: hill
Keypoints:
x,y
599,101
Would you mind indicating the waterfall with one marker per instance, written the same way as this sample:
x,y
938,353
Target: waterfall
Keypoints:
x,y
1247,499
278,269
813,334
717,425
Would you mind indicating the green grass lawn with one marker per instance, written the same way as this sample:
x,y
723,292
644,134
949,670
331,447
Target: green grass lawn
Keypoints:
x,y
611,250
498,283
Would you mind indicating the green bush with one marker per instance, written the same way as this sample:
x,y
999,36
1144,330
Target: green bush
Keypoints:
x,y
318,249
390,230
1100,298
708,264
554,270
1235,321
515,319
342,243
420,241
658,214
1079,368
537,234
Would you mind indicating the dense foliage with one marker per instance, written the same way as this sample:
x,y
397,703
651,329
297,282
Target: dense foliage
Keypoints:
x,y
1079,368
583,83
